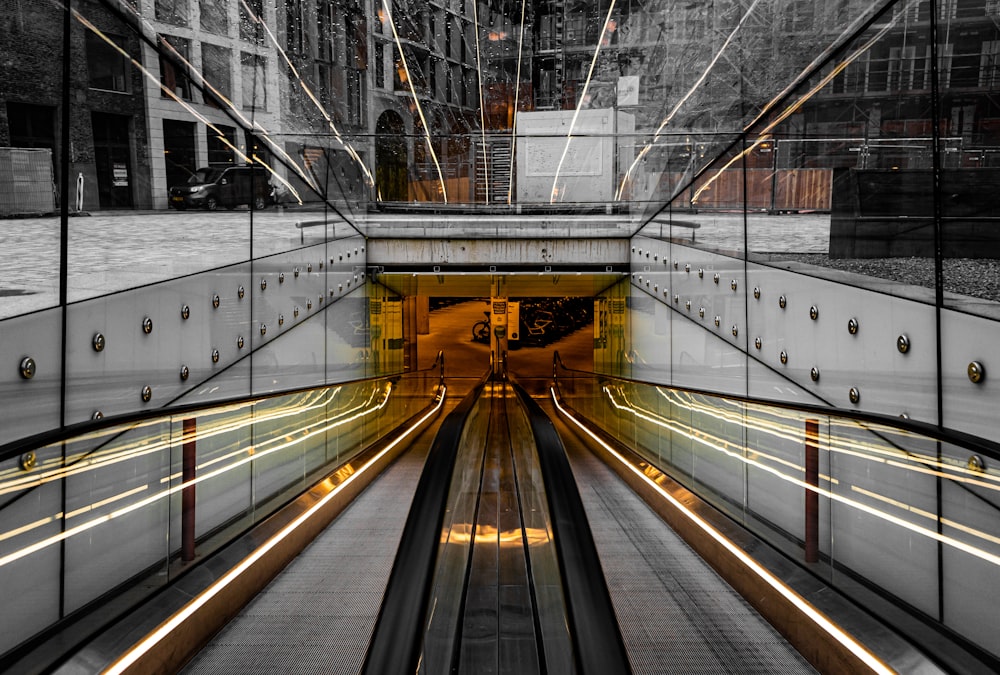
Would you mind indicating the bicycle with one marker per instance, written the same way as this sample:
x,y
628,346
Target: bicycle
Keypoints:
x,y
481,329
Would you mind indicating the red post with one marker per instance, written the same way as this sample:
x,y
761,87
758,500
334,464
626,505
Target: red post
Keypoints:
x,y
188,463
812,496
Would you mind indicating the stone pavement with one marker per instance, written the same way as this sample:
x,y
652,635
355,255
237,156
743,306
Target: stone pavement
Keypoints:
x,y
114,251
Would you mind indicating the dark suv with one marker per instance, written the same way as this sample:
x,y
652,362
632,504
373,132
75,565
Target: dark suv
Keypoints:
x,y
229,186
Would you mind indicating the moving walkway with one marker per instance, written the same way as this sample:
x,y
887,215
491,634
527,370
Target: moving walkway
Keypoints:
x,y
493,579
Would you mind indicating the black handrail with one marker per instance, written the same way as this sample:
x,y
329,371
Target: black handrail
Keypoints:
x,y
597,641
968,441
398,634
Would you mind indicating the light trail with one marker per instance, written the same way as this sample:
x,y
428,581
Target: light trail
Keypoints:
x,y
765,133
416,101
790,595
369,179
136,652
517,98
833,443
255,128
684,99
725,447
163,494
579,105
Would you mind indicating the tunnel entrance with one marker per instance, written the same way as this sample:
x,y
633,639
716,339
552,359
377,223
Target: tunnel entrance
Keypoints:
x,y
454,313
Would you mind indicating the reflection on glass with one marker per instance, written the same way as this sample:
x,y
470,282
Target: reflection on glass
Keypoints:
x,y
123,489
877,486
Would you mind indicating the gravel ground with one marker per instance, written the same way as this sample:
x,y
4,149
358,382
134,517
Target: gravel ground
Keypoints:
x,y
975,277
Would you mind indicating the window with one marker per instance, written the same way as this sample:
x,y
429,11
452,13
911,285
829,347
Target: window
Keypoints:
x,y
901,68
380,65
326,22
214,16
250,28
989,65
356,112
253,69
399,77
31,126
174,56
107,67
798,16
945,54
947,9
221,141
356,41
326,87
215,65
172,11
295,40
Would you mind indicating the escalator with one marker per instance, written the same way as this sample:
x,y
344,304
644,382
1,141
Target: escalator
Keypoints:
x,y
486,552
496,599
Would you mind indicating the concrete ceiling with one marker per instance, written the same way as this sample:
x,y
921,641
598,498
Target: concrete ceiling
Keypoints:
x,y
514,284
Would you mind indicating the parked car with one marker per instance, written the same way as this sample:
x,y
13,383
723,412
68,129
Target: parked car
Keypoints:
x,y
228,186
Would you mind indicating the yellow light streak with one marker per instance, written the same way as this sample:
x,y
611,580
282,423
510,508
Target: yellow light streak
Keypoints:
x,y
28,527
83,462
928,515
369,179
104,502
416,101
134,654
852,645
765,133
882,454
579,105
184,104
724,446
153,498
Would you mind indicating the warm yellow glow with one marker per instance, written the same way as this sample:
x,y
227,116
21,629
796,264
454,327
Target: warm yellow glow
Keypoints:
x,y
10,534
263,449
134,654
812,613
104,502
735,450
461,533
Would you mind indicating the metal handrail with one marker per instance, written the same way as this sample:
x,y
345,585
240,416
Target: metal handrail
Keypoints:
x,y
53,436
597,640
941,434
396,640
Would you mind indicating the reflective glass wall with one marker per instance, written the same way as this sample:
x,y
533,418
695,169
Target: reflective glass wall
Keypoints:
x,y
827,233
186,149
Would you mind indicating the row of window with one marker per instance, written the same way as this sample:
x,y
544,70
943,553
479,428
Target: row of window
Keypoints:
x,y
214,16
216,68
907,68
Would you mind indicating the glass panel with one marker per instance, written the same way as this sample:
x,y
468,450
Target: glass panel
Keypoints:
x,y
126,507
908,514
969,121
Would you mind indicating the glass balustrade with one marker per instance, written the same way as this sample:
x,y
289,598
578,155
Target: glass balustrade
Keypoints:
x,y
103,519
